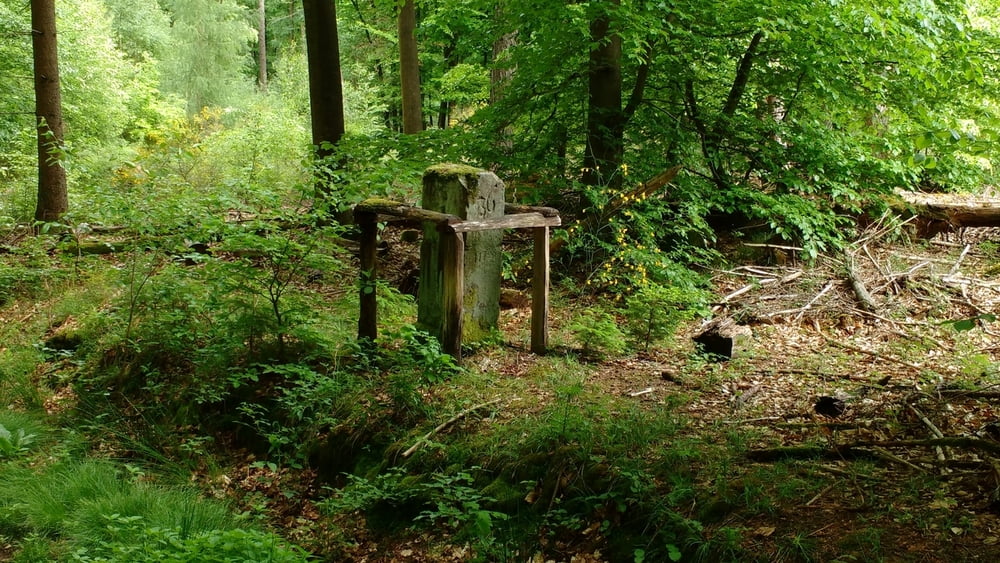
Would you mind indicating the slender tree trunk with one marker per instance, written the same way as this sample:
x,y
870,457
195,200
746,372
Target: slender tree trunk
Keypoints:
x,y
444,114
261,46
501,75
326,96
605,118
52,197
409,69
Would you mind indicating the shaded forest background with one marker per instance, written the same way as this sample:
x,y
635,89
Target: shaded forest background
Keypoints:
x,y
177,350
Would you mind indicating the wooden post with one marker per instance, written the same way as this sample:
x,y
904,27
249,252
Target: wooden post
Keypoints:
x,y
453,292
540,292
368,320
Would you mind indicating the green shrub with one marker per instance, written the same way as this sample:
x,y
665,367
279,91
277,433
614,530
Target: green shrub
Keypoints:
x,y
598,334
420,352
655,311
157,545
100,519
14,443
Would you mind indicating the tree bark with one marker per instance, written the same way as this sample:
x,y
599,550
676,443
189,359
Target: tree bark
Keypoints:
x,y
326,96
52,201
409,69
946,212
261,46
605,118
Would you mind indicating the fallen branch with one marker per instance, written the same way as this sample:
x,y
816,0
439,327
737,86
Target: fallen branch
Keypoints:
x,y
857,450
790,277
446,424
958,263
645,391
956,442
865,298
980,394
810,452
884,454
872,354
812,301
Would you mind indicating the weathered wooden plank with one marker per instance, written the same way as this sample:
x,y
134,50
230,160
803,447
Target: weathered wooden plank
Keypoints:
x,y
540,292
511,208
453,292
368,319
518,221
405,210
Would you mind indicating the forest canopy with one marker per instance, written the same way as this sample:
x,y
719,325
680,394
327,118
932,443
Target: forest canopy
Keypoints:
x,y
798,115
211,268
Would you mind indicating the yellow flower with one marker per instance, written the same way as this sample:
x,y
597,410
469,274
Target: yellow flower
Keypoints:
x,y
624,169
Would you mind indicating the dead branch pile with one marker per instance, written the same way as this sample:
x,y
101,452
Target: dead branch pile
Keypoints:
x,y
871,280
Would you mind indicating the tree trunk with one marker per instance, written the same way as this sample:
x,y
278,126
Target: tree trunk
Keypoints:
x,y
444,114
261,47
409,69
326,96
605,118
52,196
501,75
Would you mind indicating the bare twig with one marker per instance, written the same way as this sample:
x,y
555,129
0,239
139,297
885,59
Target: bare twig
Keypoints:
x,y
812,301
821,493
446,424
885,454
865,298
934,430
955,442
872,354
794,275
961,257
645,391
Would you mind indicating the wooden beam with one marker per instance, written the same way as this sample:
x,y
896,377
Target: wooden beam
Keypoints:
x,y
405,210
512,208
368,318
453,288
540,292
518,221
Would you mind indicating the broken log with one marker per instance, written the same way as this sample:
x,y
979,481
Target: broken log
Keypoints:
x,y
945,212
723,338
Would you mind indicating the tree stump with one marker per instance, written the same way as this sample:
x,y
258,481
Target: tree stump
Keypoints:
x,y
723,339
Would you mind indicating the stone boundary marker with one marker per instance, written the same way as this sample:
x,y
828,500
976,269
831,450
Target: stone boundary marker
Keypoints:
x,y
460,257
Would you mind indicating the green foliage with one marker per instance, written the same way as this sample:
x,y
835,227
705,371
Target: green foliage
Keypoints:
x,y
27,272
209,41
598,334
153,545
306,404
465,84
14,443
446,499
654,312
420,352
458,505
19,432
107,518
141,30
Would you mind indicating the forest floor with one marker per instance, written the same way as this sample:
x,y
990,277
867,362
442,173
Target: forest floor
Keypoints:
x,y
910,467
909,471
